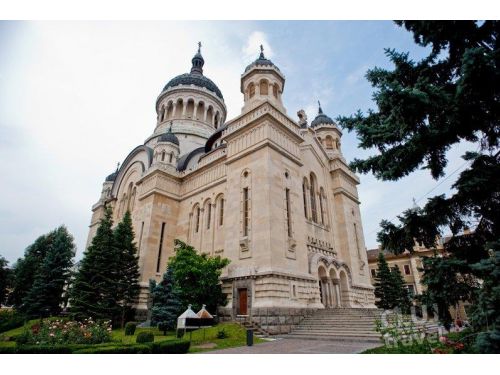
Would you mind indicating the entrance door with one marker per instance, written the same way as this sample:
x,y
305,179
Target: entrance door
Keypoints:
x,y
243,300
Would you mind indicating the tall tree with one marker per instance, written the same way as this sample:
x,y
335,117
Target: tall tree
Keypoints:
x,y
426,107
5,279
127,288
94,289
26,268
384,288
402,299
197,276
46,296
167,304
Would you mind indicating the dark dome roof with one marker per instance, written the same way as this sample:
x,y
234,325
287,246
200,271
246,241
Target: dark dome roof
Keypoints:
x,y
194,79
112,176
261,61
321,118
169,137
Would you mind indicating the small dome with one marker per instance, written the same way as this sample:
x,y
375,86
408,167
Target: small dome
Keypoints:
x,y
195,77
112,176
169,137
321,118
261,61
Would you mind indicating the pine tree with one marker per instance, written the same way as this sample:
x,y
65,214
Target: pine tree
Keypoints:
x,y
166,305
384,289
5,279
425,108
402,298
46,296
94,290
26,268
128,288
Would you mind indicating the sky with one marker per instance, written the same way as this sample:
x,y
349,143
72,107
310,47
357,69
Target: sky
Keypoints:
x,y
77,97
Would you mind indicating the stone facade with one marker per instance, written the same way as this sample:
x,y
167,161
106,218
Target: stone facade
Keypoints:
x,y
274,196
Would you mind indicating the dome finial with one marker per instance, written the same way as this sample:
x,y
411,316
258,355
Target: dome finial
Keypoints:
x,y
261,52
197,62
117,166
320,111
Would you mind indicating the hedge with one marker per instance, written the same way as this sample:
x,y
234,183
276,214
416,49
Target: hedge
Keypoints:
x,y
11,319
161,347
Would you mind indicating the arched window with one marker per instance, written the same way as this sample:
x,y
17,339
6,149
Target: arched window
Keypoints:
x,y
221,212
275,90
210,115
162,113
264,87
251,90
329,142
168,114
132,199
314,212
171,157
321,205
304,195
198,213
190,109
163,156
208,209
200,111
129,195
288,212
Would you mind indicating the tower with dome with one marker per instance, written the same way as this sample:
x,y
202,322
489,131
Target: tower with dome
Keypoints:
x,y
272,194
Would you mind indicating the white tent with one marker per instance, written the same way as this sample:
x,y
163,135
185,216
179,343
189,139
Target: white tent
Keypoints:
x,y
181,320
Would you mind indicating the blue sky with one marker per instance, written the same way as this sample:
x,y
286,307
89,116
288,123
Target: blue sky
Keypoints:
x,y
76,97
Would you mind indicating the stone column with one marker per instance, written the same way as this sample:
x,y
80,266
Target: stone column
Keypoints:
x,y
184,106
195,111
205,114
336,283
174,108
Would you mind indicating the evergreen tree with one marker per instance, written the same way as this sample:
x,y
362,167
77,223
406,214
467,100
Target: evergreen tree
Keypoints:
x,y
424,108
127,289
46,295
197,277
5,279
26,268
94,290
167,305
384,289
402,298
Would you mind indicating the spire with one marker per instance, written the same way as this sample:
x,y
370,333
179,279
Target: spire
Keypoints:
x,y
320,111
197,62
262,52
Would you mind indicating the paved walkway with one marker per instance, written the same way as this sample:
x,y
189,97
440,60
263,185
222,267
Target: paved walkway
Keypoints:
x,y
300,346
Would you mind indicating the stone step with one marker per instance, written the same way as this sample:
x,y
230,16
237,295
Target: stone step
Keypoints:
x,y
359,327
335,332
339,337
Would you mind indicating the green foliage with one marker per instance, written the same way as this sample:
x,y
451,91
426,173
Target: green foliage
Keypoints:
x,y
130,328
143,337
5,279
390,289
170,347
166,303
106,285
197,276
10,319
424,108
46,295
127,286
402,298
116,349
221,334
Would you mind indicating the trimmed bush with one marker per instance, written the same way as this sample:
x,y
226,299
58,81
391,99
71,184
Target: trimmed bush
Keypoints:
x,y
10,319
130,328
144,337
170,347
118,349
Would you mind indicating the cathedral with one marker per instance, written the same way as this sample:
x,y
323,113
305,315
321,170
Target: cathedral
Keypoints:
x,y
271,193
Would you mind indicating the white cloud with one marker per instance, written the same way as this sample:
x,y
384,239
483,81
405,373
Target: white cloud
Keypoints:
x,y
252,48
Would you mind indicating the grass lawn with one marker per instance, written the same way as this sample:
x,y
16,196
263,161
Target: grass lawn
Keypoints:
x,y
201,339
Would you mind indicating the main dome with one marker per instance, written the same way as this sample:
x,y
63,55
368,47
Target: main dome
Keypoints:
x,y
195,77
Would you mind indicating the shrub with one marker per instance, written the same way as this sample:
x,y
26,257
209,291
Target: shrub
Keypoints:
x,y
60,332
170,347
130,328
143,337
221,334
10,319
117,349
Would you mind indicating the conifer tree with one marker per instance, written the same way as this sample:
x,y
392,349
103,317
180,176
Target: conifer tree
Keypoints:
x,y
127,288
402,298
384,289
94,290
5,279
26,268
166,305
46,296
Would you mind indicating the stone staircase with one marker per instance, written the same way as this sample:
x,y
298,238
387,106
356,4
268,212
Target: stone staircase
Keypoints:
x,y
257,329
348,324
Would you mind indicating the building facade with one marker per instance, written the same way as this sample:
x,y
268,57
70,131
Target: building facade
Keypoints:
x,y
272,194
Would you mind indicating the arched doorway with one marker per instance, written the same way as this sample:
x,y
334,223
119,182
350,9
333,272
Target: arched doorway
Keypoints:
x,y
344,289
322,286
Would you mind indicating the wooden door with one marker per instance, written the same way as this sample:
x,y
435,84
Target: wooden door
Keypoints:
x,y
243,300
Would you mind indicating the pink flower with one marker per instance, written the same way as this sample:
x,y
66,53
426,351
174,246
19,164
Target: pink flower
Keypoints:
x,y
443,339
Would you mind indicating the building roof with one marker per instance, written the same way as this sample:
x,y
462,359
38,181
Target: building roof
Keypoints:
x,y
195,77
321,118
169,137
261,61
